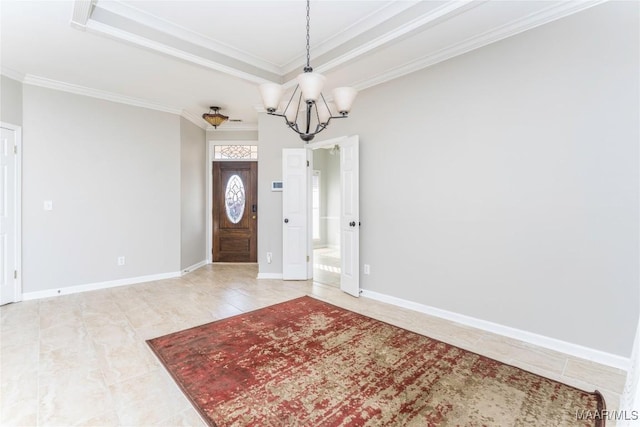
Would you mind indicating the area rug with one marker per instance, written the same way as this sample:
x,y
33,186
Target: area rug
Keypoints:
x,y
305,362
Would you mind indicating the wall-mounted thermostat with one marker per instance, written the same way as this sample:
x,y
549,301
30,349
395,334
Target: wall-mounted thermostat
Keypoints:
x,y
276,185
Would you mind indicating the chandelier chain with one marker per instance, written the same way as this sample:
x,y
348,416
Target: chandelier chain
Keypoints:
x,y
308,43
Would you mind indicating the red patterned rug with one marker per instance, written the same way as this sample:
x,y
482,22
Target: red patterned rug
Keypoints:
x,y
308,363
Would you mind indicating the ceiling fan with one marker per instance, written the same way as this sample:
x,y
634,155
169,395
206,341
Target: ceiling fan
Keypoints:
x,y
215,119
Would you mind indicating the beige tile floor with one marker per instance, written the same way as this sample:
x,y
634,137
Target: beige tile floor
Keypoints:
x,y
81,359
326,266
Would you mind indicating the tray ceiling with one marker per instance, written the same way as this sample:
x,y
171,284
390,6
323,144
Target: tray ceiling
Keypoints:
x,y
183,56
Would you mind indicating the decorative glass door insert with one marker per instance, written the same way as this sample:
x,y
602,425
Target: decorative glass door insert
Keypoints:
x,y
235,199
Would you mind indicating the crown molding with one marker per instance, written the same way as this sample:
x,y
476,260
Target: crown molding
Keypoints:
x,y
446,9
534,20
112,32
81,13
12,74
146,19
44,82
97,93
194,119
179,32
274,72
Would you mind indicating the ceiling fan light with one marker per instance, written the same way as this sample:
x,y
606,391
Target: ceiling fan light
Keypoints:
x,y
215,119
343,97
271,94
311,85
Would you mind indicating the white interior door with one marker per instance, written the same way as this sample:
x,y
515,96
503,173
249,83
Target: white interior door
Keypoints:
x,y
9,220
350,216
295,214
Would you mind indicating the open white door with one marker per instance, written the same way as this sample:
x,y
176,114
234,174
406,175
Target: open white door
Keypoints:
x,y
350,216
9,216
295,214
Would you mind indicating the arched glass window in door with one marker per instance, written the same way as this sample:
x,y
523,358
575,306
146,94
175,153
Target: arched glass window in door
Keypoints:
x,y
234,196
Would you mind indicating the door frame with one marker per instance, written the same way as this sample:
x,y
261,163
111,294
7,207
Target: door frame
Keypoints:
x,y
314,146
18,209
209,187
247,171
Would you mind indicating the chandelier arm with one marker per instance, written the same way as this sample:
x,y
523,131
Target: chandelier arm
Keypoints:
x,y
308,114
291,99
293,127
298,109
318,111
324,101
321,126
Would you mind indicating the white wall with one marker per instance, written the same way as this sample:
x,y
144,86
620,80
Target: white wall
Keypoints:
x,y
503,184
193,175
113,174
10,101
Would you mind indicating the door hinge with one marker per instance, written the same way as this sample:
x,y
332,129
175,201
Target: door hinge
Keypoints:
x,y
308,259
15,274
15,149
307,163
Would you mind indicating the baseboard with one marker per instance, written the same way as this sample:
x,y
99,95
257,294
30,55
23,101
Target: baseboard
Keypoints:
x,y
269,276
194,267
96,286
568,348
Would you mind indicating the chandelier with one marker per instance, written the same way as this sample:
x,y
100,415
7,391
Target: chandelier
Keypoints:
x,y
215,119
316,112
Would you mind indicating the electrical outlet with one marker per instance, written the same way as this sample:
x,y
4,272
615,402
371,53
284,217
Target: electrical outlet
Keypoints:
x,y
269,257
367,269
120,260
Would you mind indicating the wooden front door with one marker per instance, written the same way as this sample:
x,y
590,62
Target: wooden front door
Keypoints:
x,y
235,211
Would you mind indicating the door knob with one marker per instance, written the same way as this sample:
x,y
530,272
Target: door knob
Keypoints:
x,y
352,224
286,220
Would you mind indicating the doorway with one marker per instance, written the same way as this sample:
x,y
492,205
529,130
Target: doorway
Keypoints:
x,y
325,215
297,241
235,212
